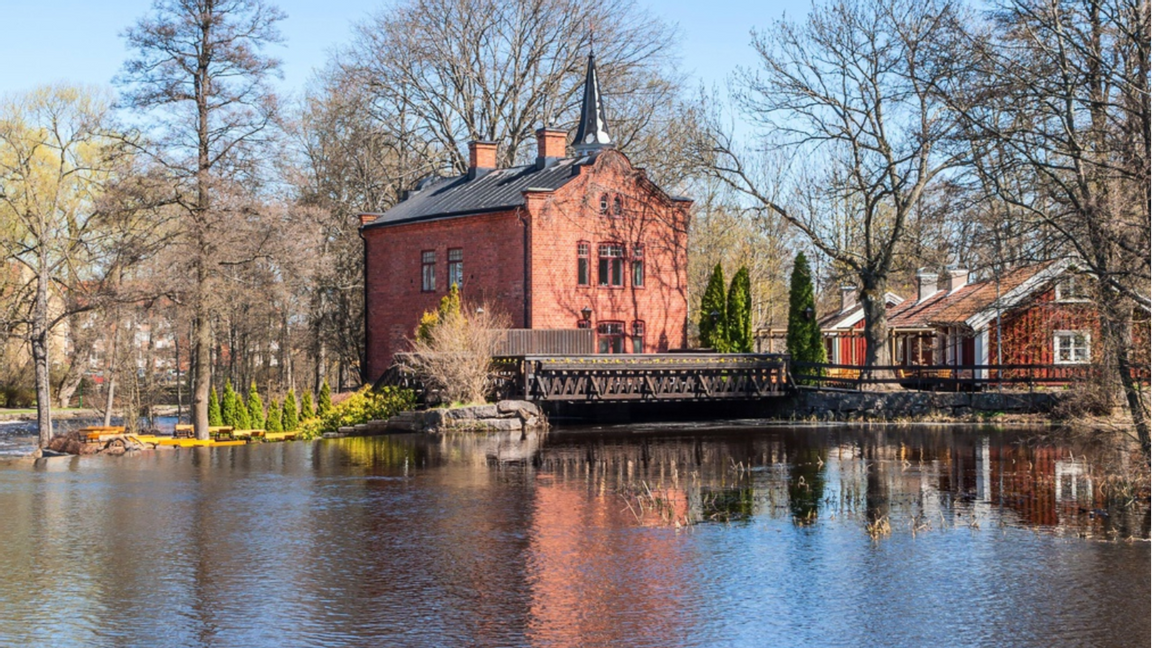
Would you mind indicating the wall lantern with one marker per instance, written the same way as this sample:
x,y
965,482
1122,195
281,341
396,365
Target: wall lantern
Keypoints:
x,y
586,312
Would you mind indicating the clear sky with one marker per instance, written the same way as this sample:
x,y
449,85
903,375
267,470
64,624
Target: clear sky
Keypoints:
x,y
79,40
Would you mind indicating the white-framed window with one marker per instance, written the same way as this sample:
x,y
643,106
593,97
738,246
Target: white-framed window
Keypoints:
x,y
456,267
1071,288
1071,347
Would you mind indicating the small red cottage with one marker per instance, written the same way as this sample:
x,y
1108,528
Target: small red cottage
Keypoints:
x,y
586,241
1038,314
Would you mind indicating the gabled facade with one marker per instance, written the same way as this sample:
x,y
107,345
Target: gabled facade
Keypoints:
x,y
581,241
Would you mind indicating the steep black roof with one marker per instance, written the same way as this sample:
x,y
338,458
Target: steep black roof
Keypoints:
x,y
497,190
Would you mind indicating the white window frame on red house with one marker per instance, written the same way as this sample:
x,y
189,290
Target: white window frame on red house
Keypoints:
x,y
1070,283
456,267
610,337
638,336
583,263
428,271
610,266
1075,354
638,265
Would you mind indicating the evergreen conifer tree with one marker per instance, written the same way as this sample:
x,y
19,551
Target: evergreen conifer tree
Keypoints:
x,y
228,405
740,313
214,417
713,313
324,402
273,422
255,408
804,340
306,411
291,417
243,420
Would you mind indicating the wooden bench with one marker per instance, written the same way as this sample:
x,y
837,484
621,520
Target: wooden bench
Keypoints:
x,y
93,433
188,431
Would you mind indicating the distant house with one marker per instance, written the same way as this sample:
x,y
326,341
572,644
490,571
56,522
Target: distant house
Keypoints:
x,y
565,242
1038,314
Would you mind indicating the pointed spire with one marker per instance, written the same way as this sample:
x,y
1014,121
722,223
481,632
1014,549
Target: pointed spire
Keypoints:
x,y
592,133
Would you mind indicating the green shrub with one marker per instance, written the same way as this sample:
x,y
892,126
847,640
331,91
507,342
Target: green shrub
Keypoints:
x,y
361,407
714,313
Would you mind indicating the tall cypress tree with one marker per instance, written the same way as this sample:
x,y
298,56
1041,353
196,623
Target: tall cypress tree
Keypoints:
x,y
228,405
272,424
291,416
714,313
215,419
740,313
243,420
306,405
805,343
255,408
324,402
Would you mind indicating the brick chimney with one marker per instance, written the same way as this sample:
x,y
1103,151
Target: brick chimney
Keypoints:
x,y
925,284
481,158
955,279
847,298
550,146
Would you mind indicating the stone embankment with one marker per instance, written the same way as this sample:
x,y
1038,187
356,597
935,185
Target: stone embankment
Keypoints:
x,y
846,405
504,416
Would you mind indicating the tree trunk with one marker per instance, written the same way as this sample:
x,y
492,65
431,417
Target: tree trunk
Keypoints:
x,y
1116,333
70,384
40,348
202,346
875,327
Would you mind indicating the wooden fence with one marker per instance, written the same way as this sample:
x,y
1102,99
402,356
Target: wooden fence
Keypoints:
x,y
948,377
522,342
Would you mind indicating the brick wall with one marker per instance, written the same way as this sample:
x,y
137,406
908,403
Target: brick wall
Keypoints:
x,y
562,219
493,247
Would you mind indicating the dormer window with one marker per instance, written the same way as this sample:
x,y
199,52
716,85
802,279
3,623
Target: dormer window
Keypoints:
x,y
1071,288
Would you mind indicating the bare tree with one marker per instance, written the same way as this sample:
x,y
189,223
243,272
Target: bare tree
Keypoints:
x,y
1060,108
59,159
850,97
200,72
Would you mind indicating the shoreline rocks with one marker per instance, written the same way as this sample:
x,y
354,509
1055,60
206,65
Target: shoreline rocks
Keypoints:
x,y
504,416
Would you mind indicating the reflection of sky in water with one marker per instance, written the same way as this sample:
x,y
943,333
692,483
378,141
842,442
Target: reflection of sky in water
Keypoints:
x,y
406,541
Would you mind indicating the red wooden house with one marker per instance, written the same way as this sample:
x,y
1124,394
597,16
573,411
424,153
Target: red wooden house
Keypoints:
x,y
566,242
1034,315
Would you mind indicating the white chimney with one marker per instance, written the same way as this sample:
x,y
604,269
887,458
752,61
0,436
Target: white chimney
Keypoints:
x,y
925,284
955,279
847,298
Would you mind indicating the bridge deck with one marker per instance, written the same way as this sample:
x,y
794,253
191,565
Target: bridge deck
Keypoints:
x,y
646,377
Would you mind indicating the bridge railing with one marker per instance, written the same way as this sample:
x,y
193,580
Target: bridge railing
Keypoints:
x,y
949,377
648,377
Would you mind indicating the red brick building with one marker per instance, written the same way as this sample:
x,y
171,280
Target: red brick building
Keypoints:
x,y
580,241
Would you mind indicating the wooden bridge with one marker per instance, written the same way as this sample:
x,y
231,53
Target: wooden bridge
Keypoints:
x,y
665,377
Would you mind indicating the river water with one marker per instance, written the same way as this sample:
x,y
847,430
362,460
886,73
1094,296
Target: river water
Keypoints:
x,y
747,536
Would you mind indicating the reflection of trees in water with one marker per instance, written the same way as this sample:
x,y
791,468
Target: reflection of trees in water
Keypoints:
x,y
806,482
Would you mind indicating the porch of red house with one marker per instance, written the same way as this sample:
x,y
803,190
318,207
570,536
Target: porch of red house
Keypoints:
x,y
933,359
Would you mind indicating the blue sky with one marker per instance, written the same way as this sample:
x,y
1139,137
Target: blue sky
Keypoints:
x,y
79,40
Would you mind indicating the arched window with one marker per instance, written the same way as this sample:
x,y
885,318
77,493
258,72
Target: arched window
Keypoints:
x,y
617,206
603,203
